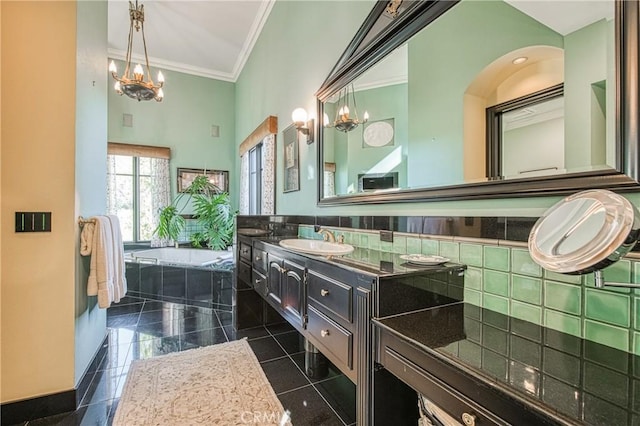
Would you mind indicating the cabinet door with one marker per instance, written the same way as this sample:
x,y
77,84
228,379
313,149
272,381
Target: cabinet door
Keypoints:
x,y
275,278
293,292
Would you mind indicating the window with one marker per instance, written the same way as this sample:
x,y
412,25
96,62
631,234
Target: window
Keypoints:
x,y
138,187
255,180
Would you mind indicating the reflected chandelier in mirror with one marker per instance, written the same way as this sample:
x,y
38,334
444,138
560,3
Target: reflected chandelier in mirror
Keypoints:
x,y
440,70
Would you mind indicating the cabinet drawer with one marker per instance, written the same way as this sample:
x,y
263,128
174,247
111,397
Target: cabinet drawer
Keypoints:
x,y
245,251
260,260
331,295
259,283
331,336
244,273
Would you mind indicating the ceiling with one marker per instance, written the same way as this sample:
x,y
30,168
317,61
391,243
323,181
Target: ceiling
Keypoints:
x,y
206,38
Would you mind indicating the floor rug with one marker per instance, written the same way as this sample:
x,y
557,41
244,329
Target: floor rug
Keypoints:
x,y
216,385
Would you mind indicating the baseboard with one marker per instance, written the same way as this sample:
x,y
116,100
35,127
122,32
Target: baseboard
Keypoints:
x,y
56,403
35,408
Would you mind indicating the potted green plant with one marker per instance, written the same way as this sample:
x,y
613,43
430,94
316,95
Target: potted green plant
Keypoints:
x,y
212,210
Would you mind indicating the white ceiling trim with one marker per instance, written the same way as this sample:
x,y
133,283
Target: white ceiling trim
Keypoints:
x,y
173,66
400,79
261,18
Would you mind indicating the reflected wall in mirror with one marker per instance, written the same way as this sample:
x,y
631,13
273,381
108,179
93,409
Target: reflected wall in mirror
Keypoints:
x,y
481,59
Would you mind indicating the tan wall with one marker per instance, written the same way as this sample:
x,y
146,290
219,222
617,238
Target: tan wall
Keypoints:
x,y
38,134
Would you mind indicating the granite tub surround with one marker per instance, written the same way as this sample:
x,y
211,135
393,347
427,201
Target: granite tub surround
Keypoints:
x,y
569,379
205,287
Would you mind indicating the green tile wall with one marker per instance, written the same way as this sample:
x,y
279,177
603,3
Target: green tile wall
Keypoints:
x,y
501,276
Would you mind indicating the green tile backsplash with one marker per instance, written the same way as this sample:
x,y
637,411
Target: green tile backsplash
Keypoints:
x,y
471,254
496,258
501,276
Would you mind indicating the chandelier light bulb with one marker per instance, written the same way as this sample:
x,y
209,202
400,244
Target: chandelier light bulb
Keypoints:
x,y
160,94
366,116
112,67
117,87
160,77
138,73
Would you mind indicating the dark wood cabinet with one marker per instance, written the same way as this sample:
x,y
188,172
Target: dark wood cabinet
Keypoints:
x,y
293,293
275,278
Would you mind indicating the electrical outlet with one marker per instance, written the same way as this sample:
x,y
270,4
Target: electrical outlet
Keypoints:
x,y
386,236
386,266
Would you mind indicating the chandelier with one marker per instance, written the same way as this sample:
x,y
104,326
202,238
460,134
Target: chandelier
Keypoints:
x,y
135,86
345,121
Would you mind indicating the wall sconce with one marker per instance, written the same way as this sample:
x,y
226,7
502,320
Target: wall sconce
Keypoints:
x,y
299,117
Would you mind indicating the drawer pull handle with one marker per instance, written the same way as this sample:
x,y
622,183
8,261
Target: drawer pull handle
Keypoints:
x,y
324,333
258,258
258,280
469,419
245,251
324,292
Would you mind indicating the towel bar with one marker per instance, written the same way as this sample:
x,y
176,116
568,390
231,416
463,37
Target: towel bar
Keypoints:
x,y
82,221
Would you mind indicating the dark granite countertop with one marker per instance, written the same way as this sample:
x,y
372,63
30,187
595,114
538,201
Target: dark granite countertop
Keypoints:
x,y
575,379
374,262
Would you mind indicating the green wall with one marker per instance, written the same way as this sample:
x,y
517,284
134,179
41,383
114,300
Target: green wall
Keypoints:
x,y
441,72
585,66
351,157
299,44
90,168
182,122
293,55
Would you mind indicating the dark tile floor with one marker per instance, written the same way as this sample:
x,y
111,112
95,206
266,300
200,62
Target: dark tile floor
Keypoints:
x,y
143,328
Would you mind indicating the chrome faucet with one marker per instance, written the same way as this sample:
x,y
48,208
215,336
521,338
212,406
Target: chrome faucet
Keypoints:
x,y
326,234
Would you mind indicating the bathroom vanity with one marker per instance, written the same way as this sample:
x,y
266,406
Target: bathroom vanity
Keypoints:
x,y
396,330
331,301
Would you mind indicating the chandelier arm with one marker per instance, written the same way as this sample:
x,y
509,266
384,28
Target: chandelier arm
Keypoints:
x,y
146,57
129,45
355,107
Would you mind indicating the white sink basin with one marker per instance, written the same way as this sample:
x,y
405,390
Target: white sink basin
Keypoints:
x,y
318,247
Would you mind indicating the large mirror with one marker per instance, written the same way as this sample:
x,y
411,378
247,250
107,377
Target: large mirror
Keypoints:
x,y
477,99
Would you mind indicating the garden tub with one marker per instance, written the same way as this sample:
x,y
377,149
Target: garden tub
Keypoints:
x,y
189,276
182,256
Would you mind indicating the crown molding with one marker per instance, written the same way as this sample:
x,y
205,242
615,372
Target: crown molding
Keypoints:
x,y
173,66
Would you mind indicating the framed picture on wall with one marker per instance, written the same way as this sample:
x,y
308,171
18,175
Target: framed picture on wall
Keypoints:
x,y
219,178
291,164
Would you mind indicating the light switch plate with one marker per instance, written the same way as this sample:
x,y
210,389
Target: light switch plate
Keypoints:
x,y
33,221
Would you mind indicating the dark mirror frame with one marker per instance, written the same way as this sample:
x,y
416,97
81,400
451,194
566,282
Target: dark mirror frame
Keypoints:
x,y
357,59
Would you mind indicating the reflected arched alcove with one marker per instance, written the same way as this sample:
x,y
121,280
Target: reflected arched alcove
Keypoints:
x,y
501,81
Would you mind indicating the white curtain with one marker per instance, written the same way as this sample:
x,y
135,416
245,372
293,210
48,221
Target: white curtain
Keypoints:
x,y
161,185
269,175
244,184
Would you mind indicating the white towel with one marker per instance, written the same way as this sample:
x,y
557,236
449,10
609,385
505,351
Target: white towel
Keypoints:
x,y
97,241
119,278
